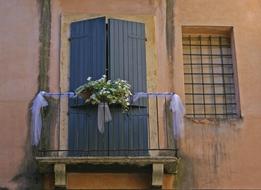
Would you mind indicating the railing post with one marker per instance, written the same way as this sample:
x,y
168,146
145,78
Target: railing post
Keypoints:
x,y
153,125
63,127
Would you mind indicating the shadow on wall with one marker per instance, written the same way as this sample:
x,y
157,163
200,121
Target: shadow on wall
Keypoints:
x,y
185,174
3,188
28,176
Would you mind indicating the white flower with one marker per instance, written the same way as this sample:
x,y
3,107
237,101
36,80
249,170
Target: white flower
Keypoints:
x,y
89,78
93,96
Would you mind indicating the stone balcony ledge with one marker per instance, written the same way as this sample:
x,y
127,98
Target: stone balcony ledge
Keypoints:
x,y
130,160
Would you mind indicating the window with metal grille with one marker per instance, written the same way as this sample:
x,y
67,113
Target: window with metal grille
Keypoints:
x,y
209,77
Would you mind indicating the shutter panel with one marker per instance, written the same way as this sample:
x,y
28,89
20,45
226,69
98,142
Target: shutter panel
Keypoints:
x,y
127,53
87,50
87,58
127,61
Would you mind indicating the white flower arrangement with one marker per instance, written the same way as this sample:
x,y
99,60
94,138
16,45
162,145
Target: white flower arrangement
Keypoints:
x,y
103,90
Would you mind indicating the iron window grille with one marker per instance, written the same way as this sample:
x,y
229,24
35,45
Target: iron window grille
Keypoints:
x,y
209,77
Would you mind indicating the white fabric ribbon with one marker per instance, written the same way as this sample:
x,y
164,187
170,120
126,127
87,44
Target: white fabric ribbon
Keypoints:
x,y
104,116
176,106
38,103
178,112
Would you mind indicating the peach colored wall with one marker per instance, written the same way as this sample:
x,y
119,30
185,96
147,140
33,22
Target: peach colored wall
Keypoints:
x,y
215,155
224,154
114,181
108,181
18,81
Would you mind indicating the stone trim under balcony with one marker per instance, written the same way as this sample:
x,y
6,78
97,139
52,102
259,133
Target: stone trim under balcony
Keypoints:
x,y
159,164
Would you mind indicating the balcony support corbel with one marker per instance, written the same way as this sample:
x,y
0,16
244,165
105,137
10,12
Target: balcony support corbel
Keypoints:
x,y
60,176
157,175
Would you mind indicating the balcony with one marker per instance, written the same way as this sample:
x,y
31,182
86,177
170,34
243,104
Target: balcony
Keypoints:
x,y
142,136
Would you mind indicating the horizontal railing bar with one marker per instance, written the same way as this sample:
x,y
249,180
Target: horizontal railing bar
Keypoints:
x,y
211,114
198,54
210,104
197,83
205,45
156,94
204,37
209,74
209,64
89,104
111,150
216,94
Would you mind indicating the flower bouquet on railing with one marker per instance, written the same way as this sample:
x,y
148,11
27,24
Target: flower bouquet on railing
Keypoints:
x,y
105,91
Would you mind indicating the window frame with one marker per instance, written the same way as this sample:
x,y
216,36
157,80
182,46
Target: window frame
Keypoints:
x,y
64,63
215,31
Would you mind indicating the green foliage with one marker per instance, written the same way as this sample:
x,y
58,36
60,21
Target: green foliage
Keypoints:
x,y
103,90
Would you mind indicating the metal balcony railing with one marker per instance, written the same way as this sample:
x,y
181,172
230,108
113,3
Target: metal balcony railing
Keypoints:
x,y
70,129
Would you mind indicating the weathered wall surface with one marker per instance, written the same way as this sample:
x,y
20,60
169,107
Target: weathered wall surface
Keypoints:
x,y
224,154
18,81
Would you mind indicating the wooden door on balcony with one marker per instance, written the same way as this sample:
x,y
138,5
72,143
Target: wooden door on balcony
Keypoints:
x,y
117,49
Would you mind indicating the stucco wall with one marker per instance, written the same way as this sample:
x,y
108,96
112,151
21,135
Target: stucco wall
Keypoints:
x,y
224,154
214,154
18,81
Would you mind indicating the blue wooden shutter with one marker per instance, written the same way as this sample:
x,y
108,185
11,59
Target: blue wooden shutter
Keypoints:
x,y
127,53
87,58
127,60
87,50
